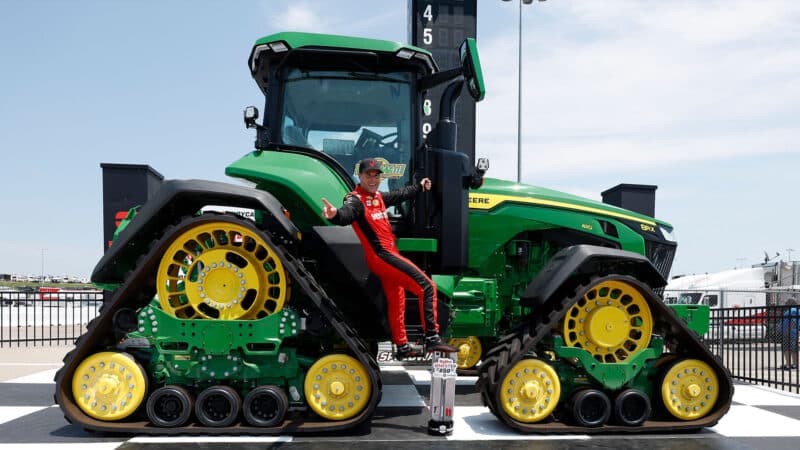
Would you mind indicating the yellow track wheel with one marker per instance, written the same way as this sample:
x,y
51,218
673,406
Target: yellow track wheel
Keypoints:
x,y
337,387
221,270
469,351
109,386
689,389
611,321
530,391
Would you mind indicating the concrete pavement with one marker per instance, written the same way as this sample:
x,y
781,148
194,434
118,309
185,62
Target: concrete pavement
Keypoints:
x,y
17,362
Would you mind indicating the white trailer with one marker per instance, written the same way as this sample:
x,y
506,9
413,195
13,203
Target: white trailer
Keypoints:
x,y
737,288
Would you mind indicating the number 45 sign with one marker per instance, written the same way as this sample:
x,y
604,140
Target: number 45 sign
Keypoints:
x,y
440,26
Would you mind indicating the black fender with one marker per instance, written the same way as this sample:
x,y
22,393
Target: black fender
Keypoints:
x,y
180,198
573,263
341,260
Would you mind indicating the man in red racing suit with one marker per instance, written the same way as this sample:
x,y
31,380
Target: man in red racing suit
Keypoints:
x,y
365,209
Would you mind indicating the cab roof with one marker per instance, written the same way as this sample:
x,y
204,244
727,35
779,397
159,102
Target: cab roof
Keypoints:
x,y
297,39
274,48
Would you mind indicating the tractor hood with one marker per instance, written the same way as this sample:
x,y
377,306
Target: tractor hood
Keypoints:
x,y
501,210
495,193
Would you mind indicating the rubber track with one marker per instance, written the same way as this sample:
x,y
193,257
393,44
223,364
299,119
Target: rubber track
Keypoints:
x,y
513,348
139,288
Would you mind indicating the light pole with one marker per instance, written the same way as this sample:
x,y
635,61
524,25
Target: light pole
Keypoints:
x,y
519,89
789,254
41,280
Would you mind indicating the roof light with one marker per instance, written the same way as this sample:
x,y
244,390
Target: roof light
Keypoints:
x,y
405,53
278,47
427,59
256,53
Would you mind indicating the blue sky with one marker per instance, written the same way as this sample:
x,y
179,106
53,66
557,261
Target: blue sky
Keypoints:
x,y
699,98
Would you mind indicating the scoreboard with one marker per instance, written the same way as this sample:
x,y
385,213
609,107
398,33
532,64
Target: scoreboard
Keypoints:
x,y
440,26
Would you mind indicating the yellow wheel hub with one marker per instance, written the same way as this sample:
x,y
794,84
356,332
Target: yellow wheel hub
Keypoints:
x,y
337,387
109,386
612,321
530,391
469,351
690,389
221,270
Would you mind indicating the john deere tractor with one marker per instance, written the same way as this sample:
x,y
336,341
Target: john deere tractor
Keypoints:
x,y
268,323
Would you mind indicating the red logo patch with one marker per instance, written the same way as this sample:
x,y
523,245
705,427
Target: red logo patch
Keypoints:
x,y
119,216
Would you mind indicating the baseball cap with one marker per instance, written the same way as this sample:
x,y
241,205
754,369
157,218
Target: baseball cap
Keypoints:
x,y
370,164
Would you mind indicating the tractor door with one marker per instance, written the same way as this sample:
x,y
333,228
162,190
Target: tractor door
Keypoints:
x,y
351,115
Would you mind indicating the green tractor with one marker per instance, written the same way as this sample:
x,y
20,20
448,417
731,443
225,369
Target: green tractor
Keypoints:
x,y
220,323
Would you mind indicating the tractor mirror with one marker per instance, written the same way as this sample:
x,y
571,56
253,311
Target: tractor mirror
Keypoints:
x,y
250,116
471,68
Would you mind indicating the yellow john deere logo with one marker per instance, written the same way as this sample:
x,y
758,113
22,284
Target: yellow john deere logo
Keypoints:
x,y
491,201
390,170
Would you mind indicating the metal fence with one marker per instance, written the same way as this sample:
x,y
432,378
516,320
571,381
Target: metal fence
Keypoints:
x,y
46,317
745,332
748,339
754,347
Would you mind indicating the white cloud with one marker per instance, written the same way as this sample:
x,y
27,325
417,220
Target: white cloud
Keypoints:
x,y
717,21
647,83
297,16
350,19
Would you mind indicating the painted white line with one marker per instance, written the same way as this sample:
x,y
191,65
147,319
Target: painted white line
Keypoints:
x,y
208,439
473,423
399,396
749,421
64,445
9,413
763,396
43,377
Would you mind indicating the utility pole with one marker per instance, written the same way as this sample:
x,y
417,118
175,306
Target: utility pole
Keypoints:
x,y
519,93
519,89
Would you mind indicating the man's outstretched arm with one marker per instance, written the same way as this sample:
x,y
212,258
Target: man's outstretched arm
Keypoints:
x,y
350,210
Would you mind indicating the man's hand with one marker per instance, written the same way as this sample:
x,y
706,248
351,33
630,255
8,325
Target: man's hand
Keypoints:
x,y
328,210
426,184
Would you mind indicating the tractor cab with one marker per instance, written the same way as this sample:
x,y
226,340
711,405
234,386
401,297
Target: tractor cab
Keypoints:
x,y
350,116
340,100
334,100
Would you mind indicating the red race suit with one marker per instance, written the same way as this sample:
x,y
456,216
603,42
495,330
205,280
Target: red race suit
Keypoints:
x,y
367,213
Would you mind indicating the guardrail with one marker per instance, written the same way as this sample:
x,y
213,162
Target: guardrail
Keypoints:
x,y
46,316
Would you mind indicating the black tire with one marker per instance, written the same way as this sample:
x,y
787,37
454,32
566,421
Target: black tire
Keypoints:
x,y
590,408
265,406
169,406
217,406
632,408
